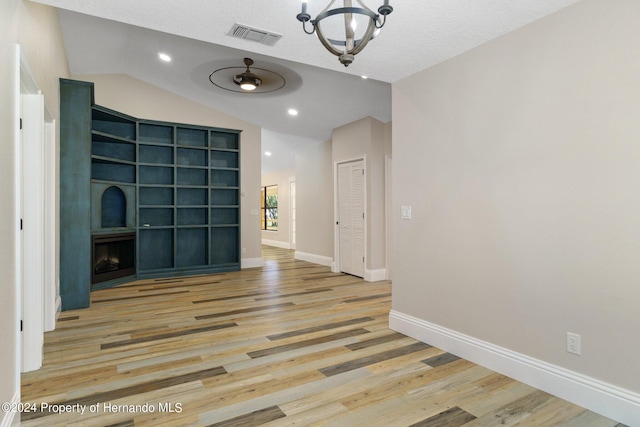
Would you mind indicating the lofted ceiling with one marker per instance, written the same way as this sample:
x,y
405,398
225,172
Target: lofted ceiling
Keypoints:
x,y
125,37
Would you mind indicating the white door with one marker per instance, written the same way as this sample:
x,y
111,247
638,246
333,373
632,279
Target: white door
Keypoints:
x,y
33,288
351,224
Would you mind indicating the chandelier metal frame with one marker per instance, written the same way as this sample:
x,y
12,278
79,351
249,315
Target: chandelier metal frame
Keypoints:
x,y
346,49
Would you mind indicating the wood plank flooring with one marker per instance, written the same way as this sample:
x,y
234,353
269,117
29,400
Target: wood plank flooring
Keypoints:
x,y
289,344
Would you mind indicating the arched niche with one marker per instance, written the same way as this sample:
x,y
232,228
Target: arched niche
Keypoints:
x,y
114,208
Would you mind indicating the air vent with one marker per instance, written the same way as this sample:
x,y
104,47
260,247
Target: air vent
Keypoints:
x,y
254,34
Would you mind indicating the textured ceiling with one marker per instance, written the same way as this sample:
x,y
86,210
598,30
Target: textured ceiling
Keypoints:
x,y
124,36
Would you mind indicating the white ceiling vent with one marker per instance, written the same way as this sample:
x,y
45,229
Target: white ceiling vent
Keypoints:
x,y
254,34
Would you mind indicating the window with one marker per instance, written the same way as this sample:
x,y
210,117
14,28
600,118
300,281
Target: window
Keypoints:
x,y
269,205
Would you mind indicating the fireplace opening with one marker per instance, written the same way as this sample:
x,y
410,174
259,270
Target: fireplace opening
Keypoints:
x,y
113,256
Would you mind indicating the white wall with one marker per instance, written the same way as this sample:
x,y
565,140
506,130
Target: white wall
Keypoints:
x,y
142,100
521,160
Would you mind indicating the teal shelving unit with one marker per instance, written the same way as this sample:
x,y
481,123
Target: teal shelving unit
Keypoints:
x,y
177,191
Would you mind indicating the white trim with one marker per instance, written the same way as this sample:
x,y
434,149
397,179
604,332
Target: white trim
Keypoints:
x,y
292,218
14,371
316,259
7,421
276,243
388,217
251,263
375,275
51,291
598,396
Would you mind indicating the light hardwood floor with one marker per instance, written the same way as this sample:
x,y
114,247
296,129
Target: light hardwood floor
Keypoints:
x,y
287,344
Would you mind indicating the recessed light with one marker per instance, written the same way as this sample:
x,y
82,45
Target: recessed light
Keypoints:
x,y
267,153
364,77
293,112
164,57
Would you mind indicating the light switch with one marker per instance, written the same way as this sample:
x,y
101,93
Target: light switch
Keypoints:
x,y
405,212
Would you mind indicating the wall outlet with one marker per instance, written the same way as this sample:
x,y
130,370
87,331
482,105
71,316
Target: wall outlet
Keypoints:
x,y
573,343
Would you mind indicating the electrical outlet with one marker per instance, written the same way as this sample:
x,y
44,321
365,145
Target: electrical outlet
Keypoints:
x,y
573,343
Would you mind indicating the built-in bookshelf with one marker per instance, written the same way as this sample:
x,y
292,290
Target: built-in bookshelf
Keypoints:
x,y
174,187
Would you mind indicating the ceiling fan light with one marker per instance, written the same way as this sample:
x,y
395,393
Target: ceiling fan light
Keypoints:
x,y
248,86
247,80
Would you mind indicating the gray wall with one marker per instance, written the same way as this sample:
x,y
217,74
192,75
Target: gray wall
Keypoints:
x,y
314,200
368,137
521,161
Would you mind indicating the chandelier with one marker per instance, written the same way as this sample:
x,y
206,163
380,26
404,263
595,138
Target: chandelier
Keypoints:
x,y
350,41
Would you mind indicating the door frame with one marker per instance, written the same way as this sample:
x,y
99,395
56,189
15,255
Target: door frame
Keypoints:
x,y
40,317
336,268
388,201
292,212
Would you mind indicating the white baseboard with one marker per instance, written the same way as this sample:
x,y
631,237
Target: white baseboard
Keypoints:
x,y
9,416
375,275
276,243
606,399
316,259
251,263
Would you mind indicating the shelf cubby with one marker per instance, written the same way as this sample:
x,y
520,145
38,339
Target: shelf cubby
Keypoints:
x,y
159,196
191,137
155,217
157,154
155,249
113,123
224,159
192,196
191,176
156,175
224,245
106,170
192,216
117,149
155,133
191,157
192,247
224,178
224,140
224,216
224,197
